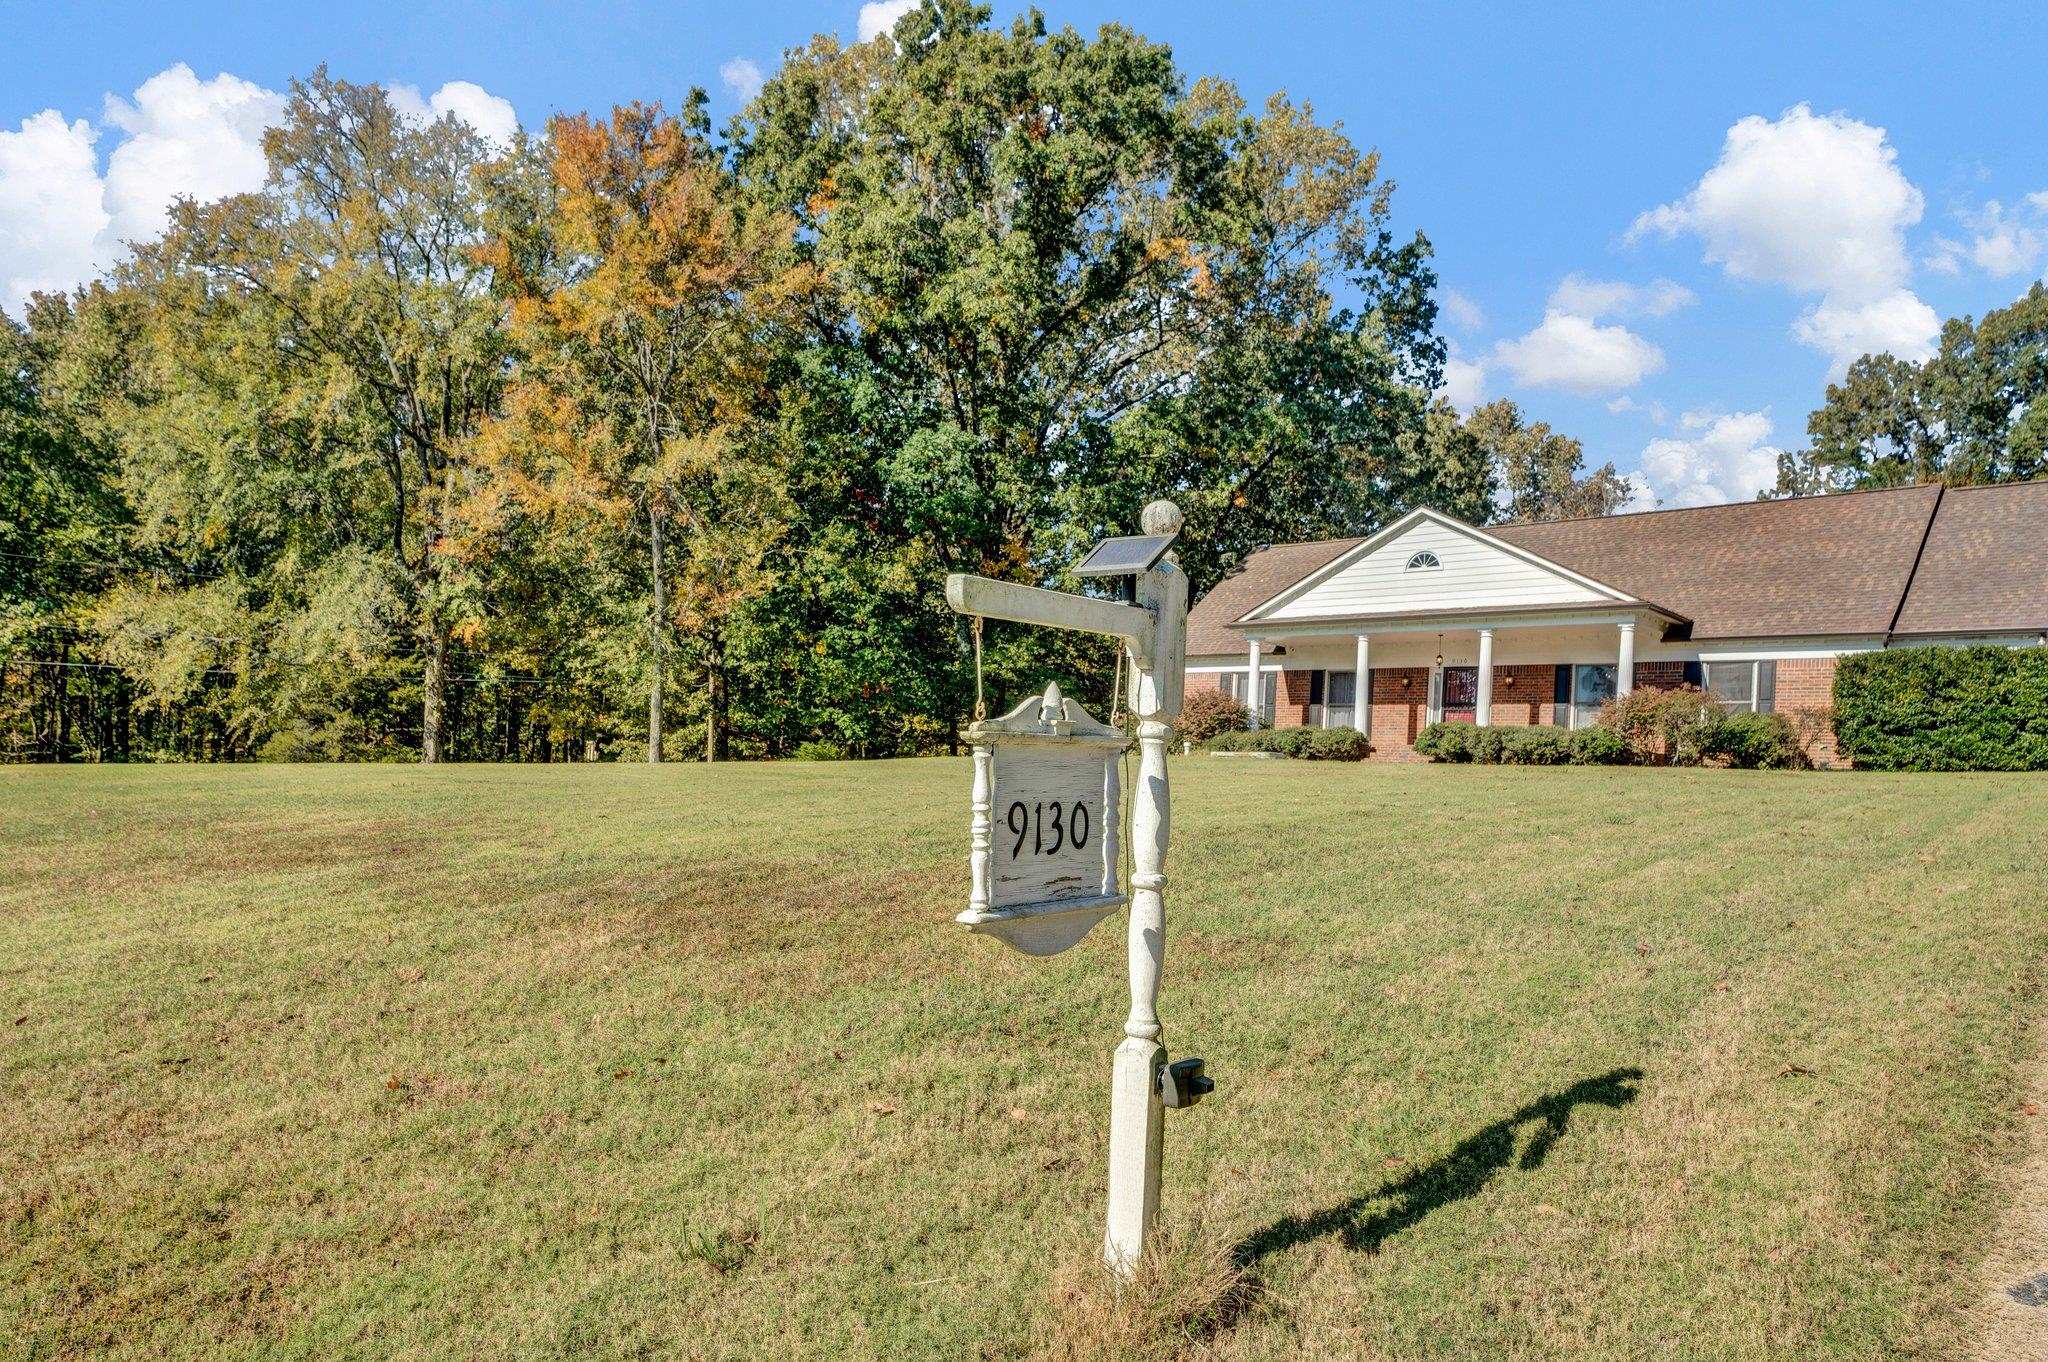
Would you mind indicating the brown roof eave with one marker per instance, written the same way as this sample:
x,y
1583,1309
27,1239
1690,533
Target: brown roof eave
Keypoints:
x,y
1245,625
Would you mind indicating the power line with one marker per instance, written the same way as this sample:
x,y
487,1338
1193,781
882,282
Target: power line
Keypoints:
x,y
64,562
6,662
80,632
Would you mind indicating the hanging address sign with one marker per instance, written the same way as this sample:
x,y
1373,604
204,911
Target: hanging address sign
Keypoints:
x,y
1043,845
1046,810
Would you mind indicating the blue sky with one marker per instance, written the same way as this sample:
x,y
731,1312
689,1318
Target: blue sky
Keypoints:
x,y
1659,231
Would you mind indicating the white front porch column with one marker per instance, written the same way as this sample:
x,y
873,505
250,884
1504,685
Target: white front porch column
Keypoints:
x,y
1484,708
1625,673
1252,689
1361,688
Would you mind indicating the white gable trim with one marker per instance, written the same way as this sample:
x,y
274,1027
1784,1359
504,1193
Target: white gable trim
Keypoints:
x,y
1402,526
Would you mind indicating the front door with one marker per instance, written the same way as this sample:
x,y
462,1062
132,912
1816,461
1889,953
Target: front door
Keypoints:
x,y
1461,695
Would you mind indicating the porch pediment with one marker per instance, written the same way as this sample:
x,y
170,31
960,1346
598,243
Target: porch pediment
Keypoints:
x,y
1428,563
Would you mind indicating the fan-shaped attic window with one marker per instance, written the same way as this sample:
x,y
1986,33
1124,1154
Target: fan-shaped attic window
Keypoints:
x,y
1423,561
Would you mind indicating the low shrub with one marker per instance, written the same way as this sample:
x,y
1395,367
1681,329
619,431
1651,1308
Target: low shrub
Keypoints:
x,y
1446,741
1597,746
677,744
1486,744
1337,744
1515,745
1535,746
1293,742
1674,725
340,738
1756,742
1944,709
1242,740
817,749
1312,744
1206,713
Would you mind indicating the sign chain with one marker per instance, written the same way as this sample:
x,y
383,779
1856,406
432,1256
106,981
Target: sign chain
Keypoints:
x,y
1116,694
1116,720
980,705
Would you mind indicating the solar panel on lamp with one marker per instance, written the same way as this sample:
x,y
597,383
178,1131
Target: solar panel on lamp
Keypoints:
x,y
1124,556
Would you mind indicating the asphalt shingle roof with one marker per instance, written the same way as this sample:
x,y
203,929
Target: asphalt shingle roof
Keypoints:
x,y
1264,575
1804,566
1985,566
1754,569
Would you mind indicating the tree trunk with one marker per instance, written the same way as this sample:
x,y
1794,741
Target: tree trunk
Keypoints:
x,y
63,671
434,703
714,697
657,630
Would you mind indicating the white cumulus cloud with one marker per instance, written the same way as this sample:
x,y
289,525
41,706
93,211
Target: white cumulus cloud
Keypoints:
x,y
1578,355
1945,256
185,138
1463,313
64,220
2005,242
1726,456
1641,496
1464,383
492,118
1815,203
744,77
880,17
1583,297
1898,323
52,209
1628,406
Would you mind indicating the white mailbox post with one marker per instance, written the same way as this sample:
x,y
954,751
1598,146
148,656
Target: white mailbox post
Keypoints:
x,y
1048,754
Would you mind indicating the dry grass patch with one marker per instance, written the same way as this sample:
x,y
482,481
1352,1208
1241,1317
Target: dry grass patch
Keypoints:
x,y
686,1063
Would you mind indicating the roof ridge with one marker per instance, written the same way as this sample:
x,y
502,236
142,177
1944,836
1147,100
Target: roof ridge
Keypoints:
x,y
1999,486
1724,505
1312,543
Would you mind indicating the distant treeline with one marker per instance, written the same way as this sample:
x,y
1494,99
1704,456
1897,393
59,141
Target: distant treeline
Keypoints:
x,y
638,435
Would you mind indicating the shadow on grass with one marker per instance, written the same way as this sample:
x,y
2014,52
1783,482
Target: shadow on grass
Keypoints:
x,y
1369,1220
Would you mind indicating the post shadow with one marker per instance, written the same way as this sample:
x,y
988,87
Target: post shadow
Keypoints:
x,y
1476,1160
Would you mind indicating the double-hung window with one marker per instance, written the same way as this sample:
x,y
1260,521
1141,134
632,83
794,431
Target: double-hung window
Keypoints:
x,y
1582,691
1233,682
1739,686
1341,701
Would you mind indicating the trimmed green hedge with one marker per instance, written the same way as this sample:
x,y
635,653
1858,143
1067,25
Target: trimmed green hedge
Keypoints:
x,y
1309,744
1522,745
1944,709
1755,742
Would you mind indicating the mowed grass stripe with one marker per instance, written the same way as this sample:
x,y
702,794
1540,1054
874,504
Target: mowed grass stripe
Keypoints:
x,y
381,1062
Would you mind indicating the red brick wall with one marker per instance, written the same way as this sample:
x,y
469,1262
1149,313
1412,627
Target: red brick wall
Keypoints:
x,y
1523,694
1290,700
1399,711
1806,686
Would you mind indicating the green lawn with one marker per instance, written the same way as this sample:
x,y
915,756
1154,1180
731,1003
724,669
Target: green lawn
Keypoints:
x,y
608,1062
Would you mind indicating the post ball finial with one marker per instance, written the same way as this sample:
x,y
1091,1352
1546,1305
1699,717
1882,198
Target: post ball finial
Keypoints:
x,y
1161,517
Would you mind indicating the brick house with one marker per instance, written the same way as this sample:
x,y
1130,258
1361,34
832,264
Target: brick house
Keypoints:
x,y
1544,622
